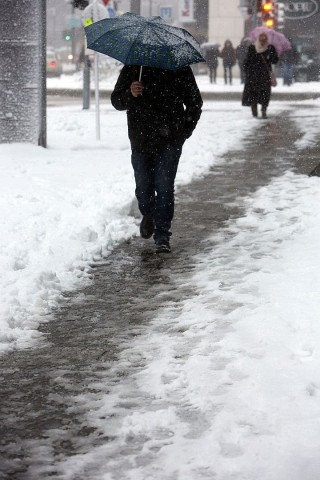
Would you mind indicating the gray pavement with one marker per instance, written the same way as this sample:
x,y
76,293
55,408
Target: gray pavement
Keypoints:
x,y
58,97
42,424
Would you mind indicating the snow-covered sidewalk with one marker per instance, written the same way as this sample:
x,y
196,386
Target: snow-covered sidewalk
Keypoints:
x,y
64,206
241,356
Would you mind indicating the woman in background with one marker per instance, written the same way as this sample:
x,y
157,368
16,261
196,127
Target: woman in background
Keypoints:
x,y
257,67
229,58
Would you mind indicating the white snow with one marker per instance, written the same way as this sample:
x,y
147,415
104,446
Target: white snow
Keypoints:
x,y
232,375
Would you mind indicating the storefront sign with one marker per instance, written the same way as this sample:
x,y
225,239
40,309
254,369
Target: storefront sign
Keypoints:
x,y
298,10
166,13
186,11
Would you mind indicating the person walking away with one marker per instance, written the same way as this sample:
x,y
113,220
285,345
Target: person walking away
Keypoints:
x,y
257,67
288,60
241,54
228,55
163,109
211,57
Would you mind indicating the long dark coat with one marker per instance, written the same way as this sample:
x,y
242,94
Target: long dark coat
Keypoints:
x,y
228,55
257,87
166,113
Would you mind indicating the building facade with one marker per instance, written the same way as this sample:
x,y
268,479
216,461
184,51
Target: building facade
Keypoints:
x,y
225,22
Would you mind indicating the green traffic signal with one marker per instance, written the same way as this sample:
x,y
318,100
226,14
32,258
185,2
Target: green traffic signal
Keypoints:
x,y
67,37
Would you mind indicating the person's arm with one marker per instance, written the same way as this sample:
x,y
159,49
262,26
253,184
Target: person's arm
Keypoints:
x,y
192,101
247,60
274,58
122,97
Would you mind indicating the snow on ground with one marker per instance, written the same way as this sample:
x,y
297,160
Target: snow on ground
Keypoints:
x,y
231,386
232,376
109,75
63,206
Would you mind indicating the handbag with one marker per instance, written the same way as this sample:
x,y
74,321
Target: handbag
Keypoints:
x,y
273,78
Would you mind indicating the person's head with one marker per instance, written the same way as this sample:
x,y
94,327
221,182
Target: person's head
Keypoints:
x,y
228,43
263,39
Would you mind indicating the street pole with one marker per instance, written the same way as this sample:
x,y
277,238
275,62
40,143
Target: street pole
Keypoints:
x,y
42,140
96,17
136,7
97,96
255,15
73,36
86,82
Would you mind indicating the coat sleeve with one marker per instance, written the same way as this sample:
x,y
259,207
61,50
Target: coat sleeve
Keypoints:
x,y
121,97
192,101
274,58
248,59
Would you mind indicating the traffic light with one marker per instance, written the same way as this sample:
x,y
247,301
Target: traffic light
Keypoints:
x,y
67,35
258,5
280,15
81,4
268,13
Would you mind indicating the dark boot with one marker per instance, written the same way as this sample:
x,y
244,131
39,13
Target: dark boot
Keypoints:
x,y
264,112
162,244
146,226
254,108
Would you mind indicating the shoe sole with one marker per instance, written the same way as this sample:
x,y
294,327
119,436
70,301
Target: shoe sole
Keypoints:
x,y
145,236
148,234
163,249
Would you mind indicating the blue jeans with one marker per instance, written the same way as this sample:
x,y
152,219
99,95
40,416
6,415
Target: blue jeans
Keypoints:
x,y
155,175
287,73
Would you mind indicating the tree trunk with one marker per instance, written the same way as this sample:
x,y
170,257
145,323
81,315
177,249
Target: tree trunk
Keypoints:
x,y
23,71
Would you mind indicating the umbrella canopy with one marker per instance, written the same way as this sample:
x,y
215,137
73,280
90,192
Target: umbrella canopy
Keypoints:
x,y
277,39
136,40
209,45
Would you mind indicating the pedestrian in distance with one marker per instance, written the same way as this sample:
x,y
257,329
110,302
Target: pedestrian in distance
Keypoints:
x,y
241,54
229,58
288,60
257,67
163,108
211,57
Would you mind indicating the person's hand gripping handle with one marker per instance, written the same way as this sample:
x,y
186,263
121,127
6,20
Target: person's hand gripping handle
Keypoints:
x,y
136,89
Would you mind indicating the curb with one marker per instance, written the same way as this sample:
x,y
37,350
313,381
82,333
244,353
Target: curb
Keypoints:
x,y
217,96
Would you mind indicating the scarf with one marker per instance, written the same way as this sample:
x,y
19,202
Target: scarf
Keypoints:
x,y
259,48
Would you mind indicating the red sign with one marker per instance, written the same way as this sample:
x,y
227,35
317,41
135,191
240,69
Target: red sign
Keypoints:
x,y
105,2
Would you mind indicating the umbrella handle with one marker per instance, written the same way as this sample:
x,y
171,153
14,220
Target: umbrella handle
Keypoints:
x,y
140,74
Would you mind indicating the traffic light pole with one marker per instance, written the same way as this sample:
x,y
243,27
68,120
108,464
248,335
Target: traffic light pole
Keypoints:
x,y
73,37
42,139
86,83
255,9
135,7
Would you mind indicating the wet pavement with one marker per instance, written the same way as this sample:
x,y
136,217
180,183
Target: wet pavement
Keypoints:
x,y
44,418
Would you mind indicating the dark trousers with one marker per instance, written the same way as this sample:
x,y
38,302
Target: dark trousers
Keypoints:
x,y
287,69
227,69
155,175
213,74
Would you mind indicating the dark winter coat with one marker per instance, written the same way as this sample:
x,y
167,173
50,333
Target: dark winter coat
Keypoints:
x,y
166,113
228,55
211,57
257,67
241,53
291,56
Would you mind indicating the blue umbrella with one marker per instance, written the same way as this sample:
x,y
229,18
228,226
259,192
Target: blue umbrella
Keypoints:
x,y
136,40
